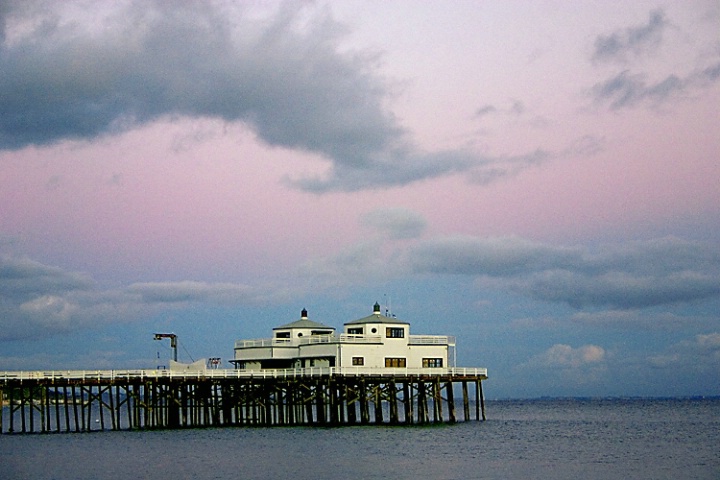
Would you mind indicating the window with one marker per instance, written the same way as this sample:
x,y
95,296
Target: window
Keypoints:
x,y
355,331
395,363
391,332
282,335
320,332
432,362
358,360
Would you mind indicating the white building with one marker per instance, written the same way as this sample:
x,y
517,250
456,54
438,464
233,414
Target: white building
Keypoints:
x,y
375,341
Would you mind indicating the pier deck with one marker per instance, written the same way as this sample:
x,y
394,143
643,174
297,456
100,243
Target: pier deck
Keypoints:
x,y
81,401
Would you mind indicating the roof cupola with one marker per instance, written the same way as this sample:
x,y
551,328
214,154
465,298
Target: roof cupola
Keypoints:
x,y
303,314
376,308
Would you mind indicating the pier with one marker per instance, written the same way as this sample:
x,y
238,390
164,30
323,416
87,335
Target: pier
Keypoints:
x,y
85,401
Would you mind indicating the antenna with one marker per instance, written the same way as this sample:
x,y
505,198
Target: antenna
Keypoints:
x,y
388,305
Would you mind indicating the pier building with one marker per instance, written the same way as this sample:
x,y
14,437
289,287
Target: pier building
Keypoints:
x,y
375,341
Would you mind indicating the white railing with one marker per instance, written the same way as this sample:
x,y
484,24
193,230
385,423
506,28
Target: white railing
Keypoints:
x,y
431,340
342,338
86,375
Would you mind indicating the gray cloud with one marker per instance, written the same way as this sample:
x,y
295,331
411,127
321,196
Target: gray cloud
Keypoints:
x,y
396,223
189,291
285,77
485,110
23,278
700,354
626,90
158,59
39,301
635,275
633,40
494,257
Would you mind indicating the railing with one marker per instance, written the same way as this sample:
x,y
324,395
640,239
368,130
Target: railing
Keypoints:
x,y
311,340
431,340
111,375
342,338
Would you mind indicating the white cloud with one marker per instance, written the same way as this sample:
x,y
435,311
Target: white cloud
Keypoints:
x,y
565,356
710,340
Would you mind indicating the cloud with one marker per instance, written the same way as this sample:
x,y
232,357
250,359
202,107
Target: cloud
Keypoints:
x,y
699,354
396,223
190,291
79,74
23,278
38,301
623,277
634,41
634,275
710,341
485,110
403,166
639,320
493,256
565,356
627,90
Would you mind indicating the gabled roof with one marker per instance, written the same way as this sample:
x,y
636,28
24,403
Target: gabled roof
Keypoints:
x,y
304,323
376,317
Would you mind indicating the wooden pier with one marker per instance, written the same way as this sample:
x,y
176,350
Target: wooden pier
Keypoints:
x,y
84,401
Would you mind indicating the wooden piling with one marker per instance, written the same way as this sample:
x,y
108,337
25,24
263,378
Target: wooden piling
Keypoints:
x,y
150,402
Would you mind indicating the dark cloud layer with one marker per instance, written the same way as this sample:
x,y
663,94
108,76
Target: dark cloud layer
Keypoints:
x,y
38,301
157,59
284,77
635,275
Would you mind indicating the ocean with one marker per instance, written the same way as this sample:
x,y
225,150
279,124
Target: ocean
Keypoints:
x,y
521,439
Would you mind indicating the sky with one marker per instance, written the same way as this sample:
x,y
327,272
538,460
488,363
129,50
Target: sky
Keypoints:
x,y
538,179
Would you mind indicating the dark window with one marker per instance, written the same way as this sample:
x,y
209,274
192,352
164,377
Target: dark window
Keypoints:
x,y
432,362
358,360
391,332
395,362
282,335
355,331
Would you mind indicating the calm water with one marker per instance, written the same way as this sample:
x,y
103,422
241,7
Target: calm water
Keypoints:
x,y
587,439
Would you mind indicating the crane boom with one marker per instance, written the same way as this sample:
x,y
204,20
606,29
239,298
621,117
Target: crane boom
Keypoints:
x,y
173,342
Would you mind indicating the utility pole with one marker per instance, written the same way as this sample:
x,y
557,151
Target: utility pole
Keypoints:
x,y
173,342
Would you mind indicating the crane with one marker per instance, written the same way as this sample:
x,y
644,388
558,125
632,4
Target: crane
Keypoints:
x,y
173,342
